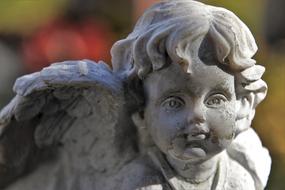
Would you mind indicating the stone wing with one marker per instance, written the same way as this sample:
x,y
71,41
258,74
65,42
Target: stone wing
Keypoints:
x,y
69,113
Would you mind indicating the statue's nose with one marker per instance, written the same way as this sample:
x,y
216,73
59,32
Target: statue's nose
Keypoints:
x,y
196,115
196,123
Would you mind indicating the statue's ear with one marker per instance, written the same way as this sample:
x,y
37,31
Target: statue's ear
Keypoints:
x,y
138,119
245,106
145,140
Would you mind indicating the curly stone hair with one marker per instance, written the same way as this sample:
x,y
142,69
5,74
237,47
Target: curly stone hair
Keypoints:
x,y
173,31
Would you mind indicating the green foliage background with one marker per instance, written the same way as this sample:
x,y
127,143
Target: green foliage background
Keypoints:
x,y
21,16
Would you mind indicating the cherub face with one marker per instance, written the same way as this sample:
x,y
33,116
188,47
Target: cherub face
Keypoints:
x,y
191,116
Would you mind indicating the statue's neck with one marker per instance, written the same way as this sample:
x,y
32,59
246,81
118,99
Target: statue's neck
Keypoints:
x,y
196,172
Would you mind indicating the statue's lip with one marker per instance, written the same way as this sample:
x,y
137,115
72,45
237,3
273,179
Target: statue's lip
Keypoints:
x,y
196,140
194,144
195,137
197,152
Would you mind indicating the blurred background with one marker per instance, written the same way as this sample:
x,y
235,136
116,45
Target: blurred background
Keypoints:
x,y
35,33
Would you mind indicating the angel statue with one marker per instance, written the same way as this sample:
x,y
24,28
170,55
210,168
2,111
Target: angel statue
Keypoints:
x,y
173,113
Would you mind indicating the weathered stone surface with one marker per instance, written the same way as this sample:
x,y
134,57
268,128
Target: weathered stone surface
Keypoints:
x,y
174,113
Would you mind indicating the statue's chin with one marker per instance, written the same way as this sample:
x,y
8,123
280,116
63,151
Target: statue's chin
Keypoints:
x,y
189,154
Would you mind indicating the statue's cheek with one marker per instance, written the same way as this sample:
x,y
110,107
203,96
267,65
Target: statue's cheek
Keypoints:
x,y
221,124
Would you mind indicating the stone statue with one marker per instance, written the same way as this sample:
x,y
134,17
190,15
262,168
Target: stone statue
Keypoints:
x,y
174,112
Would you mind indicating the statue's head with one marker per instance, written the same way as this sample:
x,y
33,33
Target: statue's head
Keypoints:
x,y
200,82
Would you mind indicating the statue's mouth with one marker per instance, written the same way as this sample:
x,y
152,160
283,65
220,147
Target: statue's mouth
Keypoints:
x,y
196,136
189,146
194,144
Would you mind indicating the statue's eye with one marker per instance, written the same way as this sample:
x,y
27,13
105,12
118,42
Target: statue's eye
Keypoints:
x,y
173,103
216,100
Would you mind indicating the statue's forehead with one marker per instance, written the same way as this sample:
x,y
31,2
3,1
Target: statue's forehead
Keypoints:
x,y
202,77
